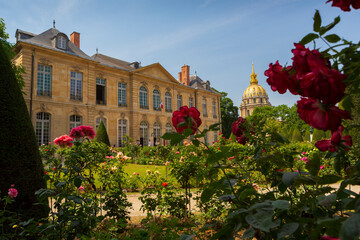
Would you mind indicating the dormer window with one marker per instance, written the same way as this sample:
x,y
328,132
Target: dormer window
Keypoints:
x,y
61,42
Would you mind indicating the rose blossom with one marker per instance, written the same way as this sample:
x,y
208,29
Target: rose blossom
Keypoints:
x,y
12,192
279,79
238,129
82,131
345,4
336,140
190,116
164,184
320,116
325,237
64,141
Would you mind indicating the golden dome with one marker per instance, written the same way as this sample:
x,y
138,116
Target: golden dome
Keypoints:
x,y
254,90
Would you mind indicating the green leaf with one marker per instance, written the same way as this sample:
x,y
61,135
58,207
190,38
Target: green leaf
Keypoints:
x,y
262,220
305,180
329,179
169,135
346,103
60,185
196,142
317,21
288,178
281,204
313,165
249,233
187,237
332,38
287,230
350,229
77,182
328,27
207,194
308,38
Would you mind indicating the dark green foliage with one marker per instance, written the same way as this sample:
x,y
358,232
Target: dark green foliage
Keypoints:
x,y
19,154
318,135
229,114
296,135
101,134
307,136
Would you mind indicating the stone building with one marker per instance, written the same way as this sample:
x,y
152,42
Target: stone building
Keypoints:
x,y
254,96
65,88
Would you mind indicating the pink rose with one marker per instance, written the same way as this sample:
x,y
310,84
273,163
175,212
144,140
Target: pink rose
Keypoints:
x,y
12,192
81,188
82,131
64,141
189,116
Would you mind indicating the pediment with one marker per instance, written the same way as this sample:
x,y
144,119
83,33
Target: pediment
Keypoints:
x,y
156,71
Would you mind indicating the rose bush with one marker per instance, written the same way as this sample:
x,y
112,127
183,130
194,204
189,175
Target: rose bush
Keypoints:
x,y
186,118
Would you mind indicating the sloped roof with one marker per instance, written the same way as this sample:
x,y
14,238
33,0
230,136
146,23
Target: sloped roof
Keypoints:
x,y
197,82
46,40
113,62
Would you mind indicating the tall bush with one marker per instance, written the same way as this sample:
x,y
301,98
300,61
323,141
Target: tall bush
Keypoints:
x,y
318,135
101,134
296,136
19,154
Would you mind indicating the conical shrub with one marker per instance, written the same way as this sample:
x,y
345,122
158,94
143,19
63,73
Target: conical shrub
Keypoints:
x,y
296,135
101,134
307,135
19,153
318,135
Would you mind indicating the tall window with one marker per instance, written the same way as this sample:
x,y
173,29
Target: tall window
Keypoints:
x,y
76,86
261,100
179,101
254,100
168,128
143,98
42,128
144,133
44,73
168,102
122,94
191,102
248,112
100,91
122,131
61,42
157,133
248,101
215,136
75,121
204,108
156,100
214,109
98,122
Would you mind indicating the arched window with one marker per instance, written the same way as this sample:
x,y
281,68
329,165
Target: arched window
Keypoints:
x,y
42,128
168,102
144,133
156,100
75,121
143,97
98,122
168,128
179,101
122,131
157,133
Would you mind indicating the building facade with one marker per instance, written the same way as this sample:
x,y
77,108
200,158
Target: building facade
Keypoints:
x,y
65,88
254,96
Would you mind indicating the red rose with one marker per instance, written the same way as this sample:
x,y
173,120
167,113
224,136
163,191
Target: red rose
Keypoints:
x,y
336,141
238,129
279,79
64,141
189,116
82,131
329,238
320,116
345,4
164,184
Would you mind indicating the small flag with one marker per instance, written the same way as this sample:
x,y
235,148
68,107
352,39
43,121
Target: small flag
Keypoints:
x,y
161,105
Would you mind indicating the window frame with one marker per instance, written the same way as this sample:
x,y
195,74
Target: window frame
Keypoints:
x,y
42,78
75,84
168,100
61,42
122,128
122,94
156,100
204,108
43,138
101,82
75,122
143,98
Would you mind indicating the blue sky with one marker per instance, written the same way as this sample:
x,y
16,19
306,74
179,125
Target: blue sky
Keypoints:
x,y
219,39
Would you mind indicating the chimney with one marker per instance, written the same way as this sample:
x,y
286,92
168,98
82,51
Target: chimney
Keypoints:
x,y
185,74
180,77
75,38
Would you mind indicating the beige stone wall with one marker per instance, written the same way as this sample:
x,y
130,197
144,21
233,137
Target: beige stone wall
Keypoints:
x,y
60,107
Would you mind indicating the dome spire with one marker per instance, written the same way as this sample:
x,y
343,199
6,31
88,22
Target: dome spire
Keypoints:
x,y
253,76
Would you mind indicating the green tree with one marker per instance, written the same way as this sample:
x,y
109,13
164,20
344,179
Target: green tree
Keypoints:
x,y
307,135
296,135
19,153
318,135
229,114
8,48
101,134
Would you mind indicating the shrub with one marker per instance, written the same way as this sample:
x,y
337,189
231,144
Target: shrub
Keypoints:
x,y
101,134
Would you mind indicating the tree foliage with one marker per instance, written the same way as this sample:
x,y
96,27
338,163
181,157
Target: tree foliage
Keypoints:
x,y
229,114
19,154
